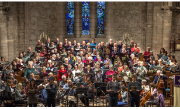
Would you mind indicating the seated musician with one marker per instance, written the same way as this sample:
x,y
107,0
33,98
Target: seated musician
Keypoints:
x,y
134,88
11,77
128,72
19,98
9,90
51,90
158,76
145,87
2,84
113,88
89,94
29,70
155,98
63,81
61,72
175,64
31,77
43,72
72,91
124,96
147,55
110,72
45,79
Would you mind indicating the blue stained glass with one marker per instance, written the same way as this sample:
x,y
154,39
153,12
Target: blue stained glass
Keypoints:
x,y
70,18
100,17
85,18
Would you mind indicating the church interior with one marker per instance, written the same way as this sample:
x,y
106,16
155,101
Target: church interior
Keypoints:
x,y
90,54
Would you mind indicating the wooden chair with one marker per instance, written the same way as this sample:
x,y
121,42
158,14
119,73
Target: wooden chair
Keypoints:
x,y
37,77
168,89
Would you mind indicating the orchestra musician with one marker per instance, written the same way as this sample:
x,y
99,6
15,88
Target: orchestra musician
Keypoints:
x,y
8,93
89,94
32,94
124,96
51,90
113,88
19,98
63,81
145,88
45,79
71,91
155,98
31,77
134,87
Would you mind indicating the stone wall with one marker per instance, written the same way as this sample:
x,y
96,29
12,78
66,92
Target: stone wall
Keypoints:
x,y
130,17
42,18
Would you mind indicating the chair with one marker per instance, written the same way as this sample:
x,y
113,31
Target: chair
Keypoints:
x,y
168,89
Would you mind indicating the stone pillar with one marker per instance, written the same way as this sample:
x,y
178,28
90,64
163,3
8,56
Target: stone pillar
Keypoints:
x,y
27,35
149,32
62,21
12,29
3,34
167,29
109,18
78,19
93,19
157,30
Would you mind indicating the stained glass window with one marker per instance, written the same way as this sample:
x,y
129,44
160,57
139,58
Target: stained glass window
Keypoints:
x,y
85,18
70,18
100,17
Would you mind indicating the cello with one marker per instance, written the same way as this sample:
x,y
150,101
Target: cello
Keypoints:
x,y
159,85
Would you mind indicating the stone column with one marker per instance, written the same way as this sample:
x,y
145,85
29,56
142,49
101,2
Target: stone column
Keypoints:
x,y
77,19
62,21
93,19
3,34
12,29
109,17
167,29
157,30
149,32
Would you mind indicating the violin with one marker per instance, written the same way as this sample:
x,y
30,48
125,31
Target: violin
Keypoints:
x,y
13,85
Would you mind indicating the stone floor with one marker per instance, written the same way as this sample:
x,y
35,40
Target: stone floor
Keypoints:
x,y
98,103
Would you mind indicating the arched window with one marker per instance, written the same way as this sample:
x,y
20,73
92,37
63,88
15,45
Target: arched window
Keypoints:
x,y
70,18
100,17
85,18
